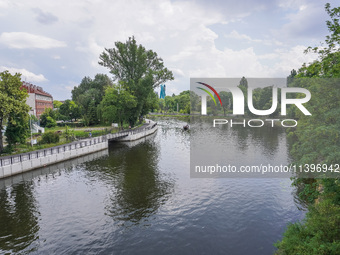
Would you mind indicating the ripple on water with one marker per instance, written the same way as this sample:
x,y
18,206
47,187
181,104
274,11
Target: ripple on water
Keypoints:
x,y
141,200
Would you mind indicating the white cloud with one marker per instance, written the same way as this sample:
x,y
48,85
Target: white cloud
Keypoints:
x,y
308,21
235,35
69,88
23,40
177,72
292,4
292,59
187,35
45,18
25,74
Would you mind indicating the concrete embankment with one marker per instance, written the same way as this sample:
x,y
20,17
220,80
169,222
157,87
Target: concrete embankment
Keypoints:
x,y
20,163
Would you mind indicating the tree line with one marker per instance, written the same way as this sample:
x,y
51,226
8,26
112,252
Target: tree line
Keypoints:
x,y
125,98
262,99
316,140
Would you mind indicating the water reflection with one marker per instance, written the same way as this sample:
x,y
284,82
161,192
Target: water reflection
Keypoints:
x,y
138,198
237,146
265,138
18,218
137,188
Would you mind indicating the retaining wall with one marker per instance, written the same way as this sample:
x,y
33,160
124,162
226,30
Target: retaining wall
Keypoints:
x,y
17,164
49,157
45,172
136,136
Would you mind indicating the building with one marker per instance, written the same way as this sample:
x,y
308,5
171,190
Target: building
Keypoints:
x,y
38,99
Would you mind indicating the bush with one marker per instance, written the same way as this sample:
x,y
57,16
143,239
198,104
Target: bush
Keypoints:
x,y
50,122
69,134
319,232
50,137
47,119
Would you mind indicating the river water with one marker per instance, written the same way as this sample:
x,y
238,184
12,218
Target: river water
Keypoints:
x,y
138,198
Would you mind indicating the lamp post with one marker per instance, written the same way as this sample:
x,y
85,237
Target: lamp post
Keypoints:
x,y
31,130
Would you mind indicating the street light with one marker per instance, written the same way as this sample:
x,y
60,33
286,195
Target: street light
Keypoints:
x,y
31,130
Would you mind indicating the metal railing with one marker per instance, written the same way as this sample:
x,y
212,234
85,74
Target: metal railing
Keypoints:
x,y
9,160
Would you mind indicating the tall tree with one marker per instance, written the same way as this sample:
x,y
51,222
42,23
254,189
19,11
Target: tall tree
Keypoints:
x,y
140,69
317,141
194,102
290,78
48,118
183,102
117,104
70,110
17,129
244,82
89,94
56,108
57,104
328,63
12,98
226,99
170,105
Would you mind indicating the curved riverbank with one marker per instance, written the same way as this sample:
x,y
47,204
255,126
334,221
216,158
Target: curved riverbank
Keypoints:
x,y
140,199
12,165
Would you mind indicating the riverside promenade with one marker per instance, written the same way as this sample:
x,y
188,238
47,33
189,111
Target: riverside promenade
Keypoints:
x,y
20,163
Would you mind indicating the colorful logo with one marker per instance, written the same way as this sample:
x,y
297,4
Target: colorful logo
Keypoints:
x,y
212,89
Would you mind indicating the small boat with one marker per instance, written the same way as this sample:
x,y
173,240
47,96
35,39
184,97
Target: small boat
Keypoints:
x,y
186,127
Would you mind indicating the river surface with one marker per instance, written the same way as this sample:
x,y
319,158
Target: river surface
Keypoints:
x,y
138,198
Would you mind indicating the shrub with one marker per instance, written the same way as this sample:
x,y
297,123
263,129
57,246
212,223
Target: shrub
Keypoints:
x,y
50,137
50,122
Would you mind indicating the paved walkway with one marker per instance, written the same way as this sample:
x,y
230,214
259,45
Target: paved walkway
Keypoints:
x,y
103,128
145,125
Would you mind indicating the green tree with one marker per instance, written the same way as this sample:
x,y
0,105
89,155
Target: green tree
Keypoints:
x,y
290,78
17,129
161,103
195,102
140,69
170,105
56,108
328,63
184,102
89,94
48,118
317,140
151,104
91,115
243,85
243,82
226,99
12,98
70,110
57,104
117,104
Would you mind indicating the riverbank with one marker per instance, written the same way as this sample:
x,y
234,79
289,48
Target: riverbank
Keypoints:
x,y
111,203
66,135
12,165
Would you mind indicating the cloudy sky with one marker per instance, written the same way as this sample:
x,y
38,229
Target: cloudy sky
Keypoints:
x,y
54,44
